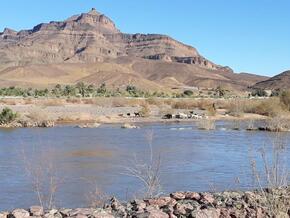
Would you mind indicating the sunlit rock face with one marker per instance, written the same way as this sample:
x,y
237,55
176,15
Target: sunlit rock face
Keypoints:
x,y
88,38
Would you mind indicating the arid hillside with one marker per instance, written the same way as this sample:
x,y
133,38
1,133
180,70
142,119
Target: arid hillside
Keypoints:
x,y
89,48
281,81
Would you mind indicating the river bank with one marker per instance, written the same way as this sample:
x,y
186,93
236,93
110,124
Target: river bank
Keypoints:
x,y
50,114
264,203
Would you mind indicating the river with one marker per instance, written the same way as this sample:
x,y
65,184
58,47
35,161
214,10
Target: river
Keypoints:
x,y
82,159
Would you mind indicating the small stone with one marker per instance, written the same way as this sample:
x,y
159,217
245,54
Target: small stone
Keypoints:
x,y
192,196
65,212
20,213
178,195
212,213
207,198
162,201
36,210
139,205
152,207
83,211
53,211
157,214
183,209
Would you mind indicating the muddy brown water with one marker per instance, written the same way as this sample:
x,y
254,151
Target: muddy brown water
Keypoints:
x,y
83,159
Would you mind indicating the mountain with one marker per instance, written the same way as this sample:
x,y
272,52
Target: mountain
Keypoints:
x,y
89,47
281,81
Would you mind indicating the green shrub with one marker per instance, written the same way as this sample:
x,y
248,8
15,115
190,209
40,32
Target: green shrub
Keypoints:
x,y
188,92
259,93
221,91
7,116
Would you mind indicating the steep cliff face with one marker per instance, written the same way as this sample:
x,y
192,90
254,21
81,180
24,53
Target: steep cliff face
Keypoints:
x,y
88,38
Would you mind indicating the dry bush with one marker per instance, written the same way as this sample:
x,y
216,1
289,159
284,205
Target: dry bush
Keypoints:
x,y
204,104
44,176
211,110
183,104
236,108
278,124
285,99
273,174
206,124
201,104
147,172
157,101
267,107
96,197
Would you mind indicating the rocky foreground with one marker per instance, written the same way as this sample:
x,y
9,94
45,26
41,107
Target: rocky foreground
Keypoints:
x,y
269,203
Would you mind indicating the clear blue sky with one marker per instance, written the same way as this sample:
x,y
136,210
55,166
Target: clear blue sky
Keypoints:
x,y
247,35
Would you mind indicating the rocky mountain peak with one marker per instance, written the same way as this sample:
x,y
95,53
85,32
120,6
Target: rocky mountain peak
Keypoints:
x,y
93,11
93,21
92,37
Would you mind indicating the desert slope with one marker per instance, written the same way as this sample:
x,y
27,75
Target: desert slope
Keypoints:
x,y
280,81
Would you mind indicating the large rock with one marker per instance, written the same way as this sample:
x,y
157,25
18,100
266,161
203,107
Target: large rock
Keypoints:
x,y
20,213
100,213
4,214
178,195
212,213
36,210
156,214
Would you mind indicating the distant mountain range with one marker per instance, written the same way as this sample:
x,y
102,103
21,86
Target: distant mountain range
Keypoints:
x,y
88,47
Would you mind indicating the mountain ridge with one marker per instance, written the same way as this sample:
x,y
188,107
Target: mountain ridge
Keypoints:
x,y
93,38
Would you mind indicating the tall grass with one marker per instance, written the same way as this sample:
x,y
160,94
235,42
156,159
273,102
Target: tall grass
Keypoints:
x,y
273,174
